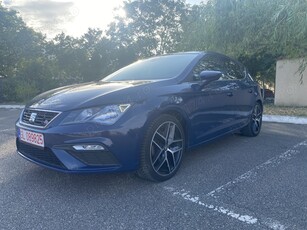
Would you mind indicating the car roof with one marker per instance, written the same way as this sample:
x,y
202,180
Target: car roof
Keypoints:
x,y
197,52
202,53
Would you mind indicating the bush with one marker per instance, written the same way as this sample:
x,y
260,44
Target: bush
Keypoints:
x,y
7,90
25,91
15,90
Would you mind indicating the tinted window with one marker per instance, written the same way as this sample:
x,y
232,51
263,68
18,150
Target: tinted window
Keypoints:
x,y
230,69
208,63
233,70
163,67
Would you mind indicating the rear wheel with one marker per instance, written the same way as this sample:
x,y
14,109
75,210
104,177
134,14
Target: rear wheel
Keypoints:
x,y
162,149
254,126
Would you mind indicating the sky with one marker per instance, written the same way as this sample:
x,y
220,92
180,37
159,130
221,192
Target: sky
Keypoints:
x,y
73,17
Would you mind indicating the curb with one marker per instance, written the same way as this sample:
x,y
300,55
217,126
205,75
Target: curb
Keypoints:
x,y
12,106
285,119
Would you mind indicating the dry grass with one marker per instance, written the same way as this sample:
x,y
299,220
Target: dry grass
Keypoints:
x,y
271,109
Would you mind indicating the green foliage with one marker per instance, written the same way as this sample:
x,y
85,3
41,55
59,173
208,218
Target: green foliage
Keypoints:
x,y
150,27
257,32
17,41
18,45
290,31
25,91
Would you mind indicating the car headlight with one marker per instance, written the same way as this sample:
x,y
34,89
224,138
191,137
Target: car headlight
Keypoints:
x,y
106,115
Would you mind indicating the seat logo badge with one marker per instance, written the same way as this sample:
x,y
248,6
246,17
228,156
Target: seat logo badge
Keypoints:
x,y
32,117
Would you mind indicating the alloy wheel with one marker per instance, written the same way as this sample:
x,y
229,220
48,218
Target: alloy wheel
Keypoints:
x,y
257,118
166,148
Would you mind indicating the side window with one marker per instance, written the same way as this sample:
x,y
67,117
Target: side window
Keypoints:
x,y
207,63
233,70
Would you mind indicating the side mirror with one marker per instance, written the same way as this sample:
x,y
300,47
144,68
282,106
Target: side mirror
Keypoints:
x,y
208,76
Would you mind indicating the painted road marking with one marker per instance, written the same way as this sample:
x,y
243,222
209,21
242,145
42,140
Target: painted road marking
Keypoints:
x,y
232,212
5,130
210,200
195,199
252,174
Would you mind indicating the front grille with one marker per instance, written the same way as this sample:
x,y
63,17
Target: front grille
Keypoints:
x,y
38,117
44,156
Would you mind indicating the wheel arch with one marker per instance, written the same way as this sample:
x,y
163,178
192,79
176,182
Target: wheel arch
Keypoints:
x,y
182,118
147,169
261,103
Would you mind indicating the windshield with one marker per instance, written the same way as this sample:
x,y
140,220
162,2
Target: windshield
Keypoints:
x,y
156,68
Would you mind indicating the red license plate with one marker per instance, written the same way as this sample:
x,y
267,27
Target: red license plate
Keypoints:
x,y
31,137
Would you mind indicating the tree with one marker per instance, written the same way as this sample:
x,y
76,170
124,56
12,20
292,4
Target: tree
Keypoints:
x,y
100,54
290,31
150,27
256,32
19,45
17,41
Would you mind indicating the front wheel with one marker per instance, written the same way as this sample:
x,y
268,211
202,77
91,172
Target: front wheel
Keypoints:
x,y
254,126
162,149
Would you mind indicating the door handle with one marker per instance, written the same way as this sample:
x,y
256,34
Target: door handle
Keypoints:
x,y
230,94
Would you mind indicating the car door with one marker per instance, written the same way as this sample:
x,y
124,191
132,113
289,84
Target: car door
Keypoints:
x,y
241,90
210,109
247,98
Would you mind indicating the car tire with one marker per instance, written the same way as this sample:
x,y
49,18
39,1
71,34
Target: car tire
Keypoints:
x,y
253,128
162,149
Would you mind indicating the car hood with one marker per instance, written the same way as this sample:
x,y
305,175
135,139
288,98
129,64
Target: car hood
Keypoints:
x,y
83,95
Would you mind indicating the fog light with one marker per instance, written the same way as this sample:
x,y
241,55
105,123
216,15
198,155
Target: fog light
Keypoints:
x,y
88,147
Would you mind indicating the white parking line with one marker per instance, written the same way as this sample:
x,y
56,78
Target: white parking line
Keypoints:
x,y
252,174
5,130
185,195
231,212
210,200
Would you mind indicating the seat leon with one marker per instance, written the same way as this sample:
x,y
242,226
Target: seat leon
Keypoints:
x,y
143,117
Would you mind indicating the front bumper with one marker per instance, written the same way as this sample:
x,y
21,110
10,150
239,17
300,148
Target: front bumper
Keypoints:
x,y
121,148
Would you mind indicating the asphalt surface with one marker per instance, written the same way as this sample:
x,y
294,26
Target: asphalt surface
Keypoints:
x,y
233,183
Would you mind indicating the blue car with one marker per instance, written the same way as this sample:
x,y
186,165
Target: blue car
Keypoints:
x,y
143,117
